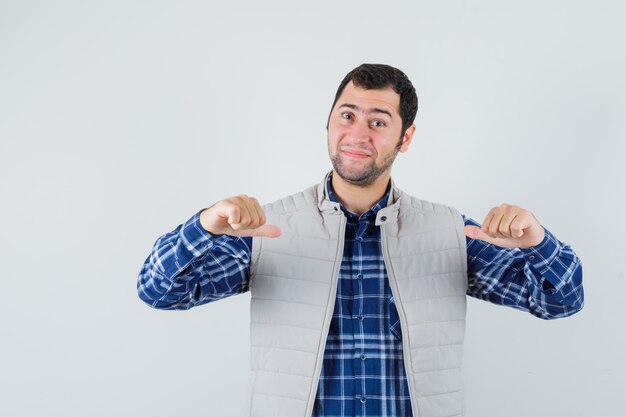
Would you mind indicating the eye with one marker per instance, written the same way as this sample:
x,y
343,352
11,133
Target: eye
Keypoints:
x,y
346,116
378,123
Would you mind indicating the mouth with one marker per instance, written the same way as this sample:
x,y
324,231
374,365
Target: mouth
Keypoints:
x,y
355,154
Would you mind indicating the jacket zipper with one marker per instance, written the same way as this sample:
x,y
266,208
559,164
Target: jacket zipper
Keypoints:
x,y
406,351
328,318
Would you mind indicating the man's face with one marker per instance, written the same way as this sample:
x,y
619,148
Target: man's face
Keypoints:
x,y
364,134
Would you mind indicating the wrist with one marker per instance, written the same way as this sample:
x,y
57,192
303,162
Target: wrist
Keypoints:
x,y
541,237
203,220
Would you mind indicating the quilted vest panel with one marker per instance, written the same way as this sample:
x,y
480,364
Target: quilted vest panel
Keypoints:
x,y
293,284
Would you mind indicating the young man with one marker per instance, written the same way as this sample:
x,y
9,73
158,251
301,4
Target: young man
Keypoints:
x,y
358,289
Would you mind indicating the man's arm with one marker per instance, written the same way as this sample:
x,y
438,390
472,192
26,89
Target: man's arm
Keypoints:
x,y
206,258
190,266
544,279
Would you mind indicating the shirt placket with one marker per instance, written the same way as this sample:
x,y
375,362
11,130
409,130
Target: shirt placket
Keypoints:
x,y
359,321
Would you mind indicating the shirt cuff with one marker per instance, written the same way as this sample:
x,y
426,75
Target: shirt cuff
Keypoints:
x,y
196,240
540,257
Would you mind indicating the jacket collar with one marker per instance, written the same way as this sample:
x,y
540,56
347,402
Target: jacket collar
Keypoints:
x,y
384,215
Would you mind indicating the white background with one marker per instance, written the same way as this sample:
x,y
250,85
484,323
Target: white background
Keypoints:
x,y
120,119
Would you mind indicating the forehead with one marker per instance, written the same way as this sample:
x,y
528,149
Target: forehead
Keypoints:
x,y
386,98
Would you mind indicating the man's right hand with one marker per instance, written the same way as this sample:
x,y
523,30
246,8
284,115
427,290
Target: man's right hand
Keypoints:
x,y
237,216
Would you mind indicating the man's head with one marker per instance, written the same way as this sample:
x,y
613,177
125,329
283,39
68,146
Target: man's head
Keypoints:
x,y
371,120
381,76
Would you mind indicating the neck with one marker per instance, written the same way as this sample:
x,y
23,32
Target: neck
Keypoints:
x,y
358,199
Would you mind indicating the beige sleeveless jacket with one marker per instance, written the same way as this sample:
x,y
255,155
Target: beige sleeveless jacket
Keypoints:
x,y
293,284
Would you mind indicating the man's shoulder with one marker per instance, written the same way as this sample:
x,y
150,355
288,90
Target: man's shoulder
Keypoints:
x,y
410,204
304,200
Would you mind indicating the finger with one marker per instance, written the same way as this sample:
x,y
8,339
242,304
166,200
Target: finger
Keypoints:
x,y
255,216
517,226
527,221
267,230
476,232
505,224
494,225
232,212
260,214
487,221
244,218
472,231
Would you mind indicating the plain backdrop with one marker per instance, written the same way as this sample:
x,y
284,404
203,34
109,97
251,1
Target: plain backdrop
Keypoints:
x,y
120,119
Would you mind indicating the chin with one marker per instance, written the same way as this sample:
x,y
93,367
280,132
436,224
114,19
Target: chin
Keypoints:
x,y
356,177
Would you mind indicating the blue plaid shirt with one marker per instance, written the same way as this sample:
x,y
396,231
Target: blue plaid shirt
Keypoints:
x,y
363,369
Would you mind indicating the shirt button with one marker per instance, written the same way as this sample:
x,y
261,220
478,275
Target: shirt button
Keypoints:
x,y
383,218
363,399
360,317
363,357
359,276
531,257
359,239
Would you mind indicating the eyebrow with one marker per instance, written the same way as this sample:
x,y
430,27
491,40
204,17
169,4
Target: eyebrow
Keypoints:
x,y
371,110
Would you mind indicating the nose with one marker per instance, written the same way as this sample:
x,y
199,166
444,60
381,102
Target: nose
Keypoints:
x,y
360,132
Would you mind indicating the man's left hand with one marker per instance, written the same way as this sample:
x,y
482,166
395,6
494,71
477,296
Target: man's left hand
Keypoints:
x,y
508,226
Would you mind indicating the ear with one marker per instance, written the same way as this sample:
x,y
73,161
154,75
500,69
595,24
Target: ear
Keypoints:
x,y
407,138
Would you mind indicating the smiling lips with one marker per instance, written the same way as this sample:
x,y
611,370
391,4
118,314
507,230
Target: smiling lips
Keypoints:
x,y
354,153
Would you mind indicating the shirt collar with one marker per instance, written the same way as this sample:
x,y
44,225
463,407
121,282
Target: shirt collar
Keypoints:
x,y
370,213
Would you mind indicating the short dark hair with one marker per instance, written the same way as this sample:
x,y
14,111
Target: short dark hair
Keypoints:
x,y
378,77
